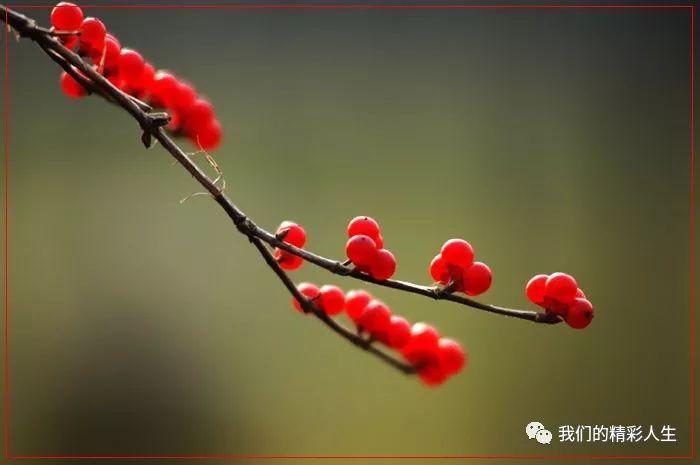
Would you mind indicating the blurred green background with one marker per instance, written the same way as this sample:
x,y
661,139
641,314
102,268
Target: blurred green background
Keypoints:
x,y
550,139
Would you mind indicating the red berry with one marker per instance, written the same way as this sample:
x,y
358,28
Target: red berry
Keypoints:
x,y
364,225
399,332
163,89
94,51
361,250
92,33
71,87
375,318
451,355
208,137
66,17
131,65
184,97
69,42
288,261
379,240
431,372
110,58
422,351
355,303
477,279
439,271
200,113
332,300
458,252
116,80
143,84
579,293
561,287
423,336
534,289
293,233
580,313
310,291
383,266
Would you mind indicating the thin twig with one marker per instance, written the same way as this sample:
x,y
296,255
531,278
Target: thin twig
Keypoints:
x,y
152,125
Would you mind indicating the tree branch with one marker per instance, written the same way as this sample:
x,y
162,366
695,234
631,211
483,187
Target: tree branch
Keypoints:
x,y
152,123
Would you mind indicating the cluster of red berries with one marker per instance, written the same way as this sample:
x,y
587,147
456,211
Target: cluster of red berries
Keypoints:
x,y
455,265
435,358
191,114
365,249
559,293
292,234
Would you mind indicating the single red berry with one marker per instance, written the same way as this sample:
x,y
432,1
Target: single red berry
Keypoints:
x,y
110,57
71,87
92,34
355,303
477,279
163,89
131,65
431,372
142,86
310,291
288,261
383,266
420,354
439,271
579,293
422,351
458,252
580,313
365,226
561,287
535,289
208,137
66,16
292,234
184,97
399,332
361,250
451,355
375,318
423,337
332,300
199,114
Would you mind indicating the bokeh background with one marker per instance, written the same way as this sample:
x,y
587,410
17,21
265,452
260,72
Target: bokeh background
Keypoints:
x,y
550,139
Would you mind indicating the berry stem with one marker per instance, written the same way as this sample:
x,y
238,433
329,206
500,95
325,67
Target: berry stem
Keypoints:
x,y
446,290
57,33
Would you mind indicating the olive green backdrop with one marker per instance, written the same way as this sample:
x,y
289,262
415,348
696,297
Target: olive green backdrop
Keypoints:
x,y
550,139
